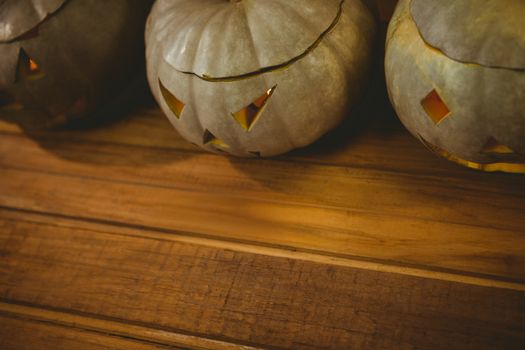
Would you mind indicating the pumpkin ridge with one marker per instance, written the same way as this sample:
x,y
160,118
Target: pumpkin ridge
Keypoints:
x,y
252,41
203,29
275,67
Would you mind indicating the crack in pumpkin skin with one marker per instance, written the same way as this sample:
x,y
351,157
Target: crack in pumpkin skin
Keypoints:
x,y
34,31
276,67
443,53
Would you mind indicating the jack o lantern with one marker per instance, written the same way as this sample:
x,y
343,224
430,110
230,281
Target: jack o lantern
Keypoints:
x,y
456,77
257,78
62,59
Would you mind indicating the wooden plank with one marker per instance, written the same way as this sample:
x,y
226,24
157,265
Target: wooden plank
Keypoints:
x,y
21,334
22,326
354,232
375,141
145,127
248,298
477,202
11,215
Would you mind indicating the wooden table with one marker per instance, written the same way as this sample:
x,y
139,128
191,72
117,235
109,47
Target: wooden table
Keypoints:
x,y
123,236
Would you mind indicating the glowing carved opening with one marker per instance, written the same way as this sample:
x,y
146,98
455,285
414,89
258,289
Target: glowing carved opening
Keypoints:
x,y
435,107
210,140
498,166
176,105
493,146
28,68
247,116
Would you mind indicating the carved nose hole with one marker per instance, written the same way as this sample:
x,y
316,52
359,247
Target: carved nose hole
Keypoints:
x,y
75,110
248,116
493,146
209,139
435,107
28,68
8,102
175,105
5,98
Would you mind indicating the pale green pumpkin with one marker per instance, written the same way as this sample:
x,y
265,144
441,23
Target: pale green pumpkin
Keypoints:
x,y
456,77
257,78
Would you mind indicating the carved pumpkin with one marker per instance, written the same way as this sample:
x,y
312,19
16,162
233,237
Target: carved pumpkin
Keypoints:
x,y
456,77
62,59
257,78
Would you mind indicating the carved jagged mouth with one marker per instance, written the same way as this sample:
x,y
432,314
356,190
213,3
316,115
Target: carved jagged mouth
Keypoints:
x,y
280,66
508,167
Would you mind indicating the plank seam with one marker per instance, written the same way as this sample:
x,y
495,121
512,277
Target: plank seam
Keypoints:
x,y
283,251
115,327
282,159
260,200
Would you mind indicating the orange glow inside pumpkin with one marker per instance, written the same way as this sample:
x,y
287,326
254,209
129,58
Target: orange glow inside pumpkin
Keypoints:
x,y
28,68
176,105
33,67
209,139
247,116
435,107
518,168
493,146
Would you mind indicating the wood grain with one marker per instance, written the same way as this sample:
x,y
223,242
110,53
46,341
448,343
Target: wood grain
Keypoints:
x,y
22,334
377,216
123,235
38,328
246,298
371,140
263,249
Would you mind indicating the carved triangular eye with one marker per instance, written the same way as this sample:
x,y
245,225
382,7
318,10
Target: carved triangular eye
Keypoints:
x,y
176,105
495,147
210,140
435,107
28,68
247,116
